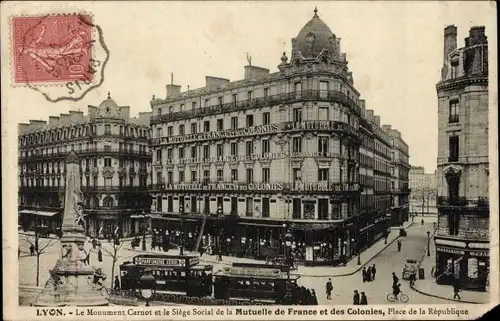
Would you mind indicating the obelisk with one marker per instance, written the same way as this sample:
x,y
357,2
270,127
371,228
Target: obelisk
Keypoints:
x,y
71,281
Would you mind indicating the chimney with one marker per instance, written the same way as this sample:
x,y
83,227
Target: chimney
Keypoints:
x,y
173,91
214,82
476,36
64,119
362,104
21,128
369,115
37,124
254,72
125,112
386,127
450,41
53,120
376,120
75,116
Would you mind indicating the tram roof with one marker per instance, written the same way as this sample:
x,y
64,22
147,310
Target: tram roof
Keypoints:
x,y
248,272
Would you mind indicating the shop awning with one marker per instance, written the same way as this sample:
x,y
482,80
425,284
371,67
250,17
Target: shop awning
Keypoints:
x,y
39,213
260,224
139,216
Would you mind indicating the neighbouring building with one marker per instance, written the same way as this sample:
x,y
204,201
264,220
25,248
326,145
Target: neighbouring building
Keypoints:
x,y
400,167
115,160
423,189
245,161
462,238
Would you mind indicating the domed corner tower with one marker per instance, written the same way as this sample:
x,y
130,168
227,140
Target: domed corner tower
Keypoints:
x,y
316,44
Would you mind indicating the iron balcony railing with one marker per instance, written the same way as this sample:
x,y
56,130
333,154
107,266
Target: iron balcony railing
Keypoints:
x,y
89,152
453,119
463,201
305,95
115,188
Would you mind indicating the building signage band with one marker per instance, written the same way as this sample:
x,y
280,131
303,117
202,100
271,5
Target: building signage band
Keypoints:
x,y
297,186
479,253
166,261
449,250
260,130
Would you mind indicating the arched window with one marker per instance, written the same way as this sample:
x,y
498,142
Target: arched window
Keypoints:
x,y
108,202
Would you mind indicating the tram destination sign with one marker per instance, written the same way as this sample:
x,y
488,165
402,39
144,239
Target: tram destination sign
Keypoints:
x,y
166,261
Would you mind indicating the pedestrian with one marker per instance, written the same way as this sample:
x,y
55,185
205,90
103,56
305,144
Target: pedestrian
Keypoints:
x,y
32,250
369,274
413,278
363,300
314,299
433,271
374,271
422,221
99,255
117,284
219,251
364,274
201,250
329,289
18,252
456,289
399,246
153,244
94,243
395,279
355,298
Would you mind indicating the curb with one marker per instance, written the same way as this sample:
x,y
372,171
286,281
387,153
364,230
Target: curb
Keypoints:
x,y
442,297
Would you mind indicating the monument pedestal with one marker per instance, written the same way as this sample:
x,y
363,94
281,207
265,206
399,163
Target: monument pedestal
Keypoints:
x,y
71,284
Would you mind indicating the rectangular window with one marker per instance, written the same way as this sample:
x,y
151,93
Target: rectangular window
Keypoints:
x,y
249,206
170,154
220,124
249,175
181,129
181,152
158,156
454,112
265,207
235,98
323,89
107,129
220,100
454,71
194,177
181,176
170,130
265,146
234,205
297,115
297,144
249,120
296,208
220,150
298,87
249,148
194,128
207,102
266,118
170,178
266,174
323,142
323,174
453,149
323,114
296,175
322,209
170,203
234,175
206,126
266,93
250,95
194,153
160,132
206,176
107,162
234,122
193,105
234,149
206,151
220,175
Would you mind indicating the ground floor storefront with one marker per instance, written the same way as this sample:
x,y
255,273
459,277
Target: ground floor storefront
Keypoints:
x,y
399,215
29,219
313,242
107,224
467,261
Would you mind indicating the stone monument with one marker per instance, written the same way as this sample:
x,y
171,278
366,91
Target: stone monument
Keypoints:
x,y
72,280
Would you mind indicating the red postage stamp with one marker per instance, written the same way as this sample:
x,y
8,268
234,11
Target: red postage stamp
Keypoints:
x,y
52,48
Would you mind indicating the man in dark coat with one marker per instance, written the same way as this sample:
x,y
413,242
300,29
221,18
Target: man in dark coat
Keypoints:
x,y
99,255
329,289
374,271
364,274
32,250
117,284
355,298
456,289
314,299
369,274
399,246
395,279
363,300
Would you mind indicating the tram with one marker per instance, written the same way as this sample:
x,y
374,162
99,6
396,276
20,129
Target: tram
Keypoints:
x,y
173,273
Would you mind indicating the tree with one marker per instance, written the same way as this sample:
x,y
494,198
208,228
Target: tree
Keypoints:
x,y
34,240
113,253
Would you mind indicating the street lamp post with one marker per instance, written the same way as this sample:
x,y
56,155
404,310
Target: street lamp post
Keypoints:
x,y
428,243
147,283
181,250
288,247
144,226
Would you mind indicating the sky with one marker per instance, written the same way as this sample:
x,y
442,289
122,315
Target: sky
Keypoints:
x,y
394,49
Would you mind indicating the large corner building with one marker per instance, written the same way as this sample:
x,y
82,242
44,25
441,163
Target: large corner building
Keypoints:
x,y
246,161
462,239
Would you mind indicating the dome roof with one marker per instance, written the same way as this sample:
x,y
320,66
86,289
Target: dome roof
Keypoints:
x,y
109,108
108,103
314,37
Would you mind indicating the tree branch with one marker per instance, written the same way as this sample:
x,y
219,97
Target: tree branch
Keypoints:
x,y
49,243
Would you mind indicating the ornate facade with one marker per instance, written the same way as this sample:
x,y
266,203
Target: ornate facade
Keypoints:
x,y
247,160
115,162
462,238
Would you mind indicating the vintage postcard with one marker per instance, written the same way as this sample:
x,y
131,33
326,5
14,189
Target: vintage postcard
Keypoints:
x,y
239,160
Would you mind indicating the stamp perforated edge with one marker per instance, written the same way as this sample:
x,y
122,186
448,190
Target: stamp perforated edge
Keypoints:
x,y
62,83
